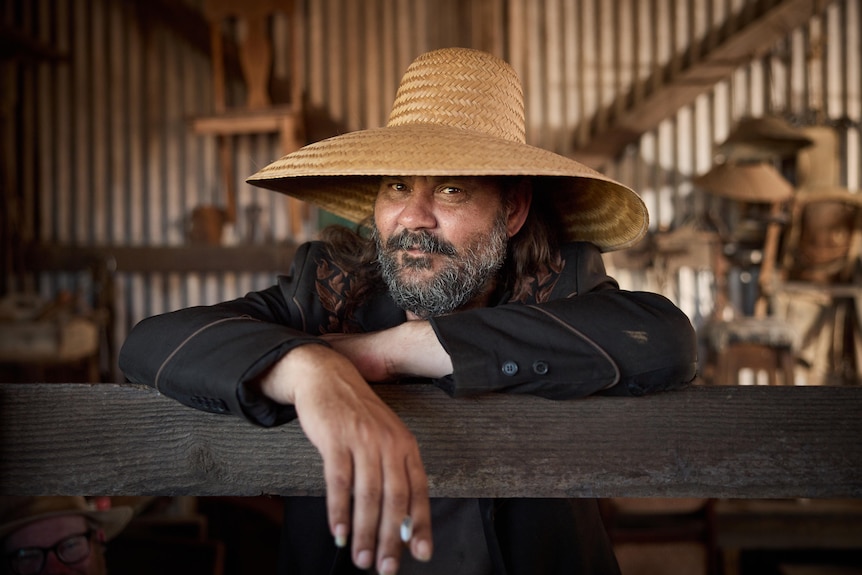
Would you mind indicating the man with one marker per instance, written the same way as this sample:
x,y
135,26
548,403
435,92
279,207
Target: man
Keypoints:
x,y
56,535
481,270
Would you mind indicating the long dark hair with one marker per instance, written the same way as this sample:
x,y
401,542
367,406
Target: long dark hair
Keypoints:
x,y
533,249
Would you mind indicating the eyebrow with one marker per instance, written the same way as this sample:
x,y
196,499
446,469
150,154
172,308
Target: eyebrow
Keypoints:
x,y
437,179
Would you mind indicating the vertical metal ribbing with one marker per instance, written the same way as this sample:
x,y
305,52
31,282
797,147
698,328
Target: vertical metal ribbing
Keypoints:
x,y
106,158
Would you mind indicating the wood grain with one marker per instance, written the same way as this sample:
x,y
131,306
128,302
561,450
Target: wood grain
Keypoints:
x,y
742,442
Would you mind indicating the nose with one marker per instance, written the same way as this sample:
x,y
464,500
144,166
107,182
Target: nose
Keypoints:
x,y
417,212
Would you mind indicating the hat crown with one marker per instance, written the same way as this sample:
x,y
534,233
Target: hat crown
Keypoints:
x,y
17,511
462,88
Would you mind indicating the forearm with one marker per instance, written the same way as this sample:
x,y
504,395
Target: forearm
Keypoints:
x,y
410,349
302,365
570,347
204,357
372,464
417,352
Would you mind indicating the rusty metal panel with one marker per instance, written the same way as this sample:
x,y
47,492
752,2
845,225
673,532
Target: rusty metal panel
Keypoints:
x,y
103,153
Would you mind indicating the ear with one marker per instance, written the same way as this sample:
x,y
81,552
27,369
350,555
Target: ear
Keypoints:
x,y
519,205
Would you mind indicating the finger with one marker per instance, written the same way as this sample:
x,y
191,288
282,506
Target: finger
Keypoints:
x,y
338,474
367,496
396,506
421,542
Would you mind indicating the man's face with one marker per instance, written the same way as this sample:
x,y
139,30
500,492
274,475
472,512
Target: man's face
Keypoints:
x,y
441,240
46,533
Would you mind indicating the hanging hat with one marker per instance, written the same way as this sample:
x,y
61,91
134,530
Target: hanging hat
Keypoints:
x,y
746,182
763,138
457,112
16,512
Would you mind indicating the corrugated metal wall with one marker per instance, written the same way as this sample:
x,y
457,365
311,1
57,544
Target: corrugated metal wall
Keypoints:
x,y
105,155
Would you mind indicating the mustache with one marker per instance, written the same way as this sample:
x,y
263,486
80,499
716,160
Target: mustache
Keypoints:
x,y
422,241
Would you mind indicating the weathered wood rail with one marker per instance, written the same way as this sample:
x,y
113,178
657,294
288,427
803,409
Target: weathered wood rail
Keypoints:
x,y
740,442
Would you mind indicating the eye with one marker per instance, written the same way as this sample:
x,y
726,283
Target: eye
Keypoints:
x,y
73,544
26,554
450,190
393,185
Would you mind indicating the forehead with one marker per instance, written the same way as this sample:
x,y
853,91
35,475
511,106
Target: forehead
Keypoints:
x,y
45,532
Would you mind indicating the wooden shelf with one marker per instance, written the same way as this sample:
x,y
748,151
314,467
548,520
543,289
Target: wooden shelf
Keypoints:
x,y
273,119
162,259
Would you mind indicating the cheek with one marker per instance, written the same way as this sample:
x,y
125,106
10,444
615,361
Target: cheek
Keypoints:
x,y
384,217
384,229
466,226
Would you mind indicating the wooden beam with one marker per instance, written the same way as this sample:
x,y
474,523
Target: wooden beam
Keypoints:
x,y
735,442
162,259
245,121
673,87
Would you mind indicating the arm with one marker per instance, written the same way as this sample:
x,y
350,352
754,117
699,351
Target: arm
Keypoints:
x,y
588,337
410,349
253,357
368,455
610,341
206,356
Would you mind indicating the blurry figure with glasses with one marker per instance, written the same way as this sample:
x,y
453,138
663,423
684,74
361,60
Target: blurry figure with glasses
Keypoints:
x,y
56,535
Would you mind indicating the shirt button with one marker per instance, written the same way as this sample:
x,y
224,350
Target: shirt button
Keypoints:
x,y
540,367
510,368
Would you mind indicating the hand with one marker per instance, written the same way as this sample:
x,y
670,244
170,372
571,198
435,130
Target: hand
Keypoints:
x,y
410,349
367,451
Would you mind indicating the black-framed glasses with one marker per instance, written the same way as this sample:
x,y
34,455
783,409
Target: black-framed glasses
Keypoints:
x,y
31,560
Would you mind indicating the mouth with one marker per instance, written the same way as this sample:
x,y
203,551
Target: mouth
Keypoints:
x,y
416,259
417,251
419,245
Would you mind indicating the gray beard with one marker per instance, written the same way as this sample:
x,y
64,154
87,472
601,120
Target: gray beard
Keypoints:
x,y
464,276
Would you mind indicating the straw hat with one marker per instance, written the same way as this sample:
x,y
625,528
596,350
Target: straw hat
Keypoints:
x,y
15,512
457,112
764,138
746,182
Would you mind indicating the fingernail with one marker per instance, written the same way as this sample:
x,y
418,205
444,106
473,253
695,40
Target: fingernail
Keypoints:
x,y
340,535
406,529
422,551
389,566
364,559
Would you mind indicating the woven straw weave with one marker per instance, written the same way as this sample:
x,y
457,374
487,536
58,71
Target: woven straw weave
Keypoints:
x,y
457,112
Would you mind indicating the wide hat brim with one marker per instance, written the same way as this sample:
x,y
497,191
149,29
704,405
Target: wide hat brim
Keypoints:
x,y
340,174
746,182
16,512
764,137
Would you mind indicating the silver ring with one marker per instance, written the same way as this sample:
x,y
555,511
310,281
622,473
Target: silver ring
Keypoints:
x,y
406,529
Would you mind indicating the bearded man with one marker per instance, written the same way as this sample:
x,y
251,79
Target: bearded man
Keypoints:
x,y
477,265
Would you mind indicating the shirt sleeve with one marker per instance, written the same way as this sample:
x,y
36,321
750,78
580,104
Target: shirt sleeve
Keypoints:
x,y
206,356
588,337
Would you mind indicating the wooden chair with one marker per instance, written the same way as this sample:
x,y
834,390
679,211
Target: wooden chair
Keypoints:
x,y
250,22
761,343
819,288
